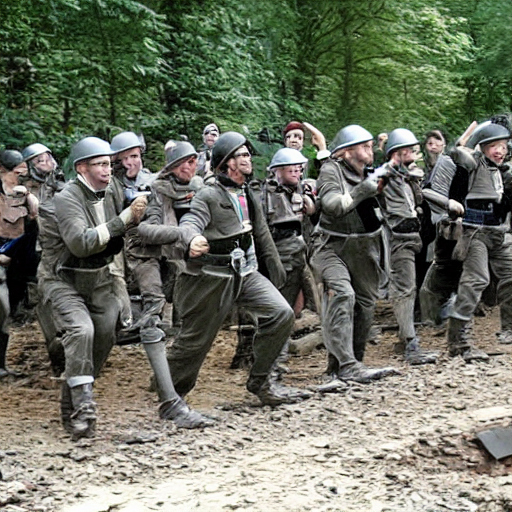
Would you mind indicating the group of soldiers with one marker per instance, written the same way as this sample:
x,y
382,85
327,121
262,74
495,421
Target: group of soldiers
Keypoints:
x,y
204,235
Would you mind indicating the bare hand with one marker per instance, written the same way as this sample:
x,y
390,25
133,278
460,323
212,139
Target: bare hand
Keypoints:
x,y
138,208
20,190
32,205
198,246
309,206
317,137
455,207
465,136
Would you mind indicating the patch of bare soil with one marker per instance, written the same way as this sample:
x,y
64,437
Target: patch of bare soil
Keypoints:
x,y
407,443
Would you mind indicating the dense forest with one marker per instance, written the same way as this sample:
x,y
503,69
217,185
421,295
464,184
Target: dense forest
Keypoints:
x,y
70,68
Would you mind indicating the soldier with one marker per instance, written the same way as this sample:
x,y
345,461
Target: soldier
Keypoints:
x,y
210,135
346,254
135,181
484,246
18,211
172,192
79,237
434,147
43,178
294,134
223,231
441,271
399,200
285,204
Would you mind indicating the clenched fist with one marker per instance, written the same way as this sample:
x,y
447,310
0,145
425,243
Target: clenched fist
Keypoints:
x,y
198,246
138,208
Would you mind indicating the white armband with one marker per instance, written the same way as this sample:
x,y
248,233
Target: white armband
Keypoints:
x,y
346,200
323,154
103,233
126,216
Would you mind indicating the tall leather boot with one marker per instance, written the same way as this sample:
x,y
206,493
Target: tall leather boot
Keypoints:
x,y
4,341
459,343
173,407
244,356
363,319
66,407
83,417
4,371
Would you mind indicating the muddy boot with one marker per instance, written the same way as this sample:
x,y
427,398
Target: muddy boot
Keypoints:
x,y
273,394
505,337
415,355
66,407
459,343
181,415
244,356
4,371
333,365
83,417
332,384
4,341
359,372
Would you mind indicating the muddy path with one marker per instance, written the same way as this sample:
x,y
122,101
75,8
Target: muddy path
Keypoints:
x,y
407,443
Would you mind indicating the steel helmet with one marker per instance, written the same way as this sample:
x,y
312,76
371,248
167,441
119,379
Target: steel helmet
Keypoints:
x,y
177,151
487,132
400,138
89,148
287,156
10,158
350,136
127,140
224,147
34,150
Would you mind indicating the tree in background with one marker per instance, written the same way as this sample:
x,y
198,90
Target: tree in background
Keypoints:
x,y
70,68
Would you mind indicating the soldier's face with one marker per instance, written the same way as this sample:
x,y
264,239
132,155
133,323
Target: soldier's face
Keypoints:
x,y
406,156
185,171
131,160
360,155
434,146
241,161
294,139
210,138
289,175
44,163
97,171
11,178
496,151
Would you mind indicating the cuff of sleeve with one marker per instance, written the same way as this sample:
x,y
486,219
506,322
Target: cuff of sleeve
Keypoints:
x,y
116,227
103,233
323,154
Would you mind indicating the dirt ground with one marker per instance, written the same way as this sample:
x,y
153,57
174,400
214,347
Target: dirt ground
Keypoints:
x,y
407,443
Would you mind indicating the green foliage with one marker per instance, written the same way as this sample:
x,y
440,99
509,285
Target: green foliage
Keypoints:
x,y
70,68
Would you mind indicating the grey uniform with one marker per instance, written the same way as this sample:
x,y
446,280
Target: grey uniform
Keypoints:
x,y
284,207
442,277
346,256
74,278
485,246
154,253
209,286
398,203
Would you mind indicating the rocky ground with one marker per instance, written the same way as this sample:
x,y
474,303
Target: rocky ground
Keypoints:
x,y
407,443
